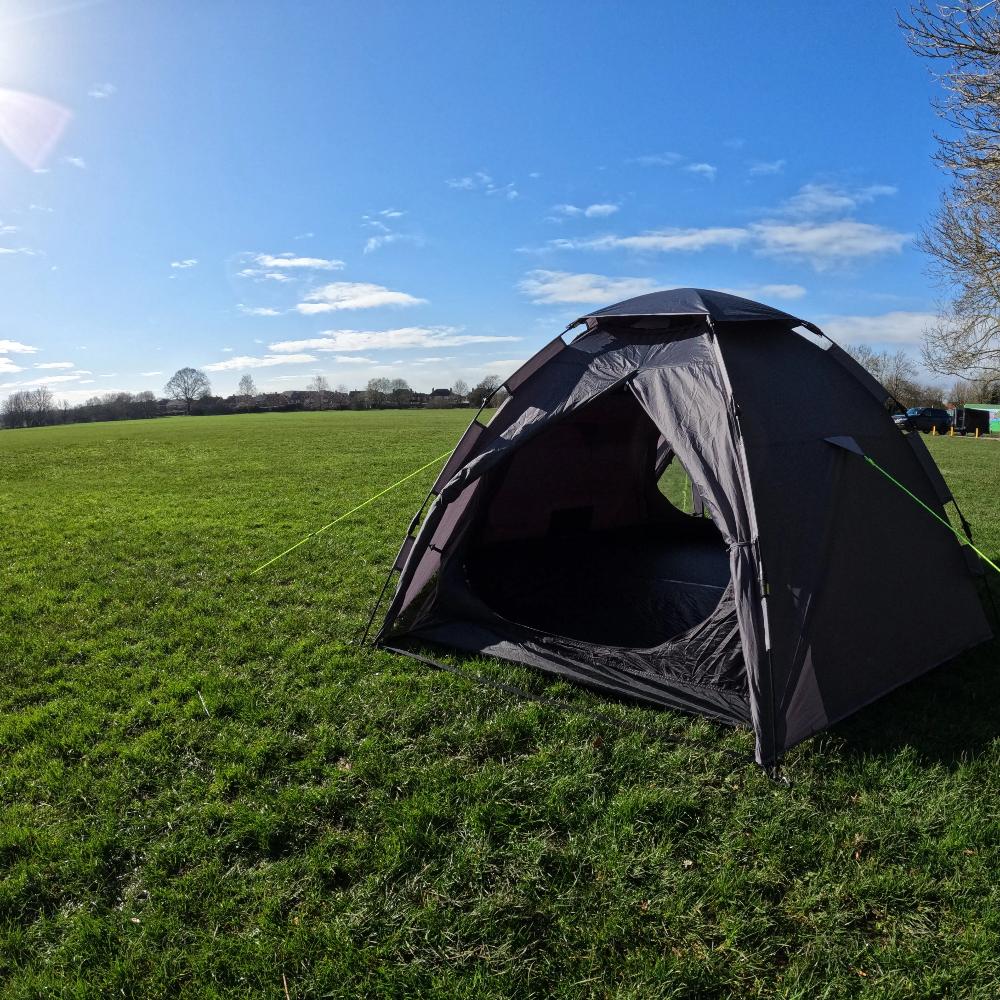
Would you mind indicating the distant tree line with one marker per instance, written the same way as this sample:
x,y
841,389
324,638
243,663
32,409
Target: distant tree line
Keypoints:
x,y
189,392
899,374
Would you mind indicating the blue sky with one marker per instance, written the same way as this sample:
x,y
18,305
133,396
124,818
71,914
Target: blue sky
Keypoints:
x,y
433,190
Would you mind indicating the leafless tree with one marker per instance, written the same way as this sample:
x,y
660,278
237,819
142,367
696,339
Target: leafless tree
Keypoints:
x,y
896,371
486,387
186,385
963,40
321,390
15,410
378,391
460,388
400,391
247,388
41,405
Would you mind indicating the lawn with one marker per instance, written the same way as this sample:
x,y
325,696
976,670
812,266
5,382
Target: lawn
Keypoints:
x,y
208,791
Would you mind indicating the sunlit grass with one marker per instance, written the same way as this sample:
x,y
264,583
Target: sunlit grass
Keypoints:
x,y
205,786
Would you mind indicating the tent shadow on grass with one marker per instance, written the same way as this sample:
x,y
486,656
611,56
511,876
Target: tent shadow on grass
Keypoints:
x,y
948,716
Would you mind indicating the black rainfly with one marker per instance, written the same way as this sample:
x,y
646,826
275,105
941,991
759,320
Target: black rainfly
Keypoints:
x,y
776,605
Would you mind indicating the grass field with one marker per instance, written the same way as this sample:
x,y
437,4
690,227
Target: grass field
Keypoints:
x,y
207,791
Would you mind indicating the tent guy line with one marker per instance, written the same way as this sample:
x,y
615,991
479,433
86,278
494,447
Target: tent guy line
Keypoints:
x,y
982,555
353,510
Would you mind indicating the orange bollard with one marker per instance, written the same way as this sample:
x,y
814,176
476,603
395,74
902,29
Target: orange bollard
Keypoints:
x,y
933,430
977,432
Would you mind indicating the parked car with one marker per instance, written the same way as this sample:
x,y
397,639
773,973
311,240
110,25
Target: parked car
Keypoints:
x,y
924,418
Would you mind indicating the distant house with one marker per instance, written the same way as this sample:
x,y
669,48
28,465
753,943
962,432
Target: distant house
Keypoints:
x,y
441,393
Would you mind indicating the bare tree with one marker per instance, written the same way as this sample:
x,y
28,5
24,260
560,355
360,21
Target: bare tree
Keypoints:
x,y
41,404
186,385
964,237
15,410
487,387
897,371
321,388
400,391
460,388
247,388
378,391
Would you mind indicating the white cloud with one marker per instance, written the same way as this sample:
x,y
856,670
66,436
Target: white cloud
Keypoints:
x,y
353,295
768,291
555,287
829,199
268,361
765,167
20,251
183,265
77,161
705,170
597,211
825,244
658,160
304,236
102,91
16,347
374,243
392,213
482,181
55,364
897,328
379,340
7,367
258,310
283,261
149,374
659,240
44,380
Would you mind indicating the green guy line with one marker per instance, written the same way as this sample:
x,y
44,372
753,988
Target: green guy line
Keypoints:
x,y
353,510
936,517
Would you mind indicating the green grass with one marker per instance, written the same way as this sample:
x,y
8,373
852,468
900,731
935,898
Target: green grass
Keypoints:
x,y
365,826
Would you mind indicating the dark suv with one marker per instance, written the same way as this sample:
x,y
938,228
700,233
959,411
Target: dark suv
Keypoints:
x,y
924,418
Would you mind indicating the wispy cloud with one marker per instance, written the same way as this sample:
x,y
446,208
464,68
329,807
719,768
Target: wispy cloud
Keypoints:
x,y
831,199
16,347
899,328
657,160
658,240
768,291
44,380
102,91
284,261
258,310
183,265
555,287
762,168
482,181
55,364
353,295
18,252
377,340
599,210
7,367
149,374
706,170
77,161
826,244
272,266
267,361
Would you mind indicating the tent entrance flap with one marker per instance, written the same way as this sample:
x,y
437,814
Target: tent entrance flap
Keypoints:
x,y
577,540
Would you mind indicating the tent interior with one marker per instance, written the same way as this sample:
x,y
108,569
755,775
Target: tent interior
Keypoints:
x,y
575,538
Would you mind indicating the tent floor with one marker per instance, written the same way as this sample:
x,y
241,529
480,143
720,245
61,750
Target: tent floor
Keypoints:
x,y
633,588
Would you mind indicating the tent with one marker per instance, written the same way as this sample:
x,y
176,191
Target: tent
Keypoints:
x,y
808,586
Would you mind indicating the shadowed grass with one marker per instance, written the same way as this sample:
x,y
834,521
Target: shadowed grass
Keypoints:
x,y
205,786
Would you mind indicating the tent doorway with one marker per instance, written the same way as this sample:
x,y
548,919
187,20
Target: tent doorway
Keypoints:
x,y
576,538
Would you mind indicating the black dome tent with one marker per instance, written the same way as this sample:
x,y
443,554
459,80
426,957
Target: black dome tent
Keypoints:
x,y
549,543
